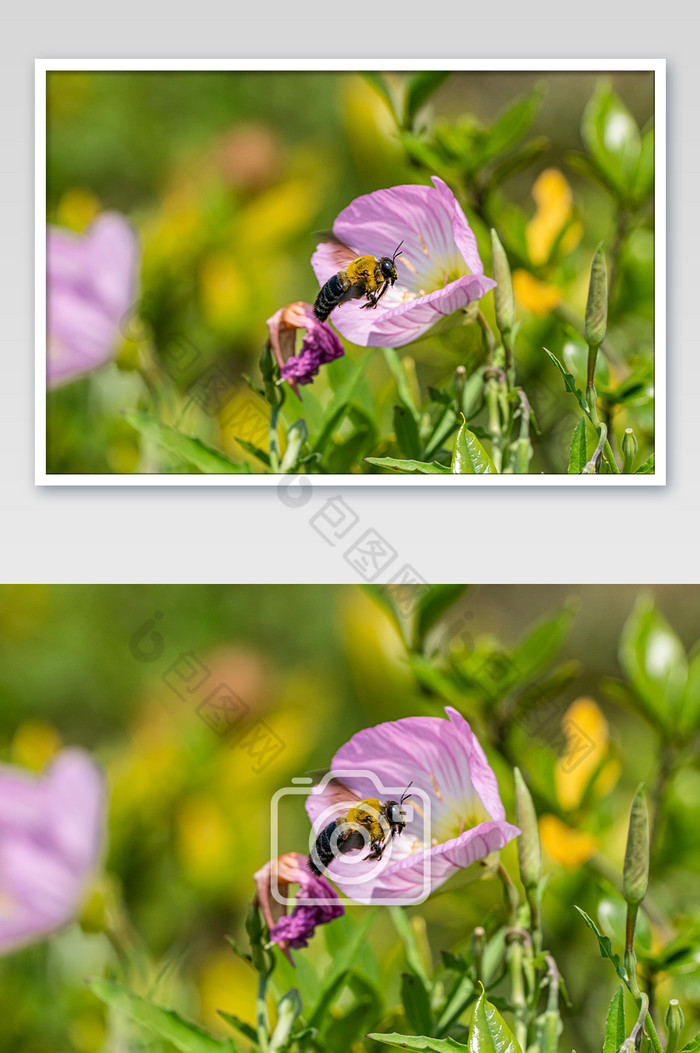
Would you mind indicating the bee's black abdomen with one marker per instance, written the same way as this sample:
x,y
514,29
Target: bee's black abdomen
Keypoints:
x,y
328,298
322,854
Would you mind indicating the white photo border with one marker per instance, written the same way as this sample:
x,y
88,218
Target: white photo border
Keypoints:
x,y
657,66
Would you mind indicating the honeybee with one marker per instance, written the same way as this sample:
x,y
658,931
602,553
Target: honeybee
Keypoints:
x,y
370,821
368,276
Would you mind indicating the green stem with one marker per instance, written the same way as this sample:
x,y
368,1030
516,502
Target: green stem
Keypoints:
x,y
510,891
274,449
261,1012
517,991
495,430
489,338
592,399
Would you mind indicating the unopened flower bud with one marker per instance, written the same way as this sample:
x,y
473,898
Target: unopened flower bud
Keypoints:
x,y
597,305
635,876
674,1024
630,446
529,851
503,293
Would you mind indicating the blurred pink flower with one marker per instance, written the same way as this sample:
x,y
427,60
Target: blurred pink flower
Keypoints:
x,y
439,268
293,930
444,760
51,832
320,344
90,286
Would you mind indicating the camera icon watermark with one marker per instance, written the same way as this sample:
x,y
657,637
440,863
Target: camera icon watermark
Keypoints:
x,y
362,828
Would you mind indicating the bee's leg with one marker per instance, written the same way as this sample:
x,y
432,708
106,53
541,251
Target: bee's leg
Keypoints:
x,y
371,301
377,849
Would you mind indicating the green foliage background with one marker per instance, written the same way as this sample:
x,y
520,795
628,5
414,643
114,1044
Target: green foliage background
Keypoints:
x,y
189,817
227,175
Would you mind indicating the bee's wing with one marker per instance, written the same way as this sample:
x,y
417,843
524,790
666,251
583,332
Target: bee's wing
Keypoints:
x,y
340,253
335,793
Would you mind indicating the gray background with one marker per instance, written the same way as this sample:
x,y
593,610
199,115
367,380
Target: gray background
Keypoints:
x,y
531,534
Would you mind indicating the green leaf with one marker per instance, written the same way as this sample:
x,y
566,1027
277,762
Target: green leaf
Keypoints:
x,y
569,382
489,1032
416,1003
380,84
254,450
518,161
163,1022
647,468
424,467
419,87
643,185
468,456
654,660
340,403
542,643
434,601
611,135
445,425
690,709
404,928
334,977
578,456
440,1045
240,1025
462,996
191,451
615,1031
238,950
604,945
513,122
693,1046
402,384
406,431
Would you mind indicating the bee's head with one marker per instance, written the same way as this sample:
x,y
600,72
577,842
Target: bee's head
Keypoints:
x,y
387,265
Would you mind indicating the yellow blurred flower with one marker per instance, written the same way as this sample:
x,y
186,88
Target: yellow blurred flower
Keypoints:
x,y
587,741
87,1032
34,744
537,297
149,772
553,222
204,840
77,209
223,288
225,982
277,214
563,844
554,202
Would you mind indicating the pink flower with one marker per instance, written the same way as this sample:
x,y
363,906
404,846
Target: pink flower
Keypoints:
x,y
294,930
90,286
320,344
444,760
439,269
51,832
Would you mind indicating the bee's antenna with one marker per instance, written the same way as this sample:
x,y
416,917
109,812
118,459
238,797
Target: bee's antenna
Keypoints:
x,y
406,794
397,253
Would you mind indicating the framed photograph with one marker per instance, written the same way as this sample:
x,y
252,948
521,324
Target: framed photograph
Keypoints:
x,y
438,272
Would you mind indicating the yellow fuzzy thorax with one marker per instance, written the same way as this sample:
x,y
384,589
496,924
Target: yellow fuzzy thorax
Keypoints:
x,y
364,269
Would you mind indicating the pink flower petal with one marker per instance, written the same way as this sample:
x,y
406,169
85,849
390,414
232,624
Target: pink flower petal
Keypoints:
x,y
440,270
91,285
425,871
51,832
447,765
